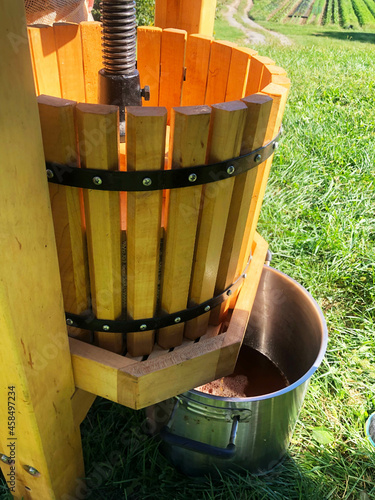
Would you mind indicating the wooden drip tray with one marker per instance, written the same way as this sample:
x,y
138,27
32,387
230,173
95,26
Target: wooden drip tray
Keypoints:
x,y
137,384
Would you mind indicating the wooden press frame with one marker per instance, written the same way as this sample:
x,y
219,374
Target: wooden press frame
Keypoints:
x,y
54,379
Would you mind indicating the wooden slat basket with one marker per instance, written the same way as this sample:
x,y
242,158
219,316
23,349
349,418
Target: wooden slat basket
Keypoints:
x,y
138,255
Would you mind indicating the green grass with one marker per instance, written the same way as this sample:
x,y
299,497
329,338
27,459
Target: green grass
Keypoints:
x,y
319,219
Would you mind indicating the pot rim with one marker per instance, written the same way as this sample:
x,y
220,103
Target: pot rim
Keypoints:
x,y
301,380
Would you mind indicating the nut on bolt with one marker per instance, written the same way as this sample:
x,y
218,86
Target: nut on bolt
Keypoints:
x,y
145,93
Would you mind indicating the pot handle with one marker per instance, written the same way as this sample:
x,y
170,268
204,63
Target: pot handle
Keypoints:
x,y
190,444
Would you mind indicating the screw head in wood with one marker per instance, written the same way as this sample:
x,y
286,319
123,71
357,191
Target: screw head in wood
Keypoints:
x,y
5,459
69,322
50,174
147,181
143,327
257,158
97,181
31,470
230,170
177,320
192,177
106,328
207,308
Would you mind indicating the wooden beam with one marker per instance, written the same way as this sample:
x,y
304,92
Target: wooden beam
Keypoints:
x,y
34,354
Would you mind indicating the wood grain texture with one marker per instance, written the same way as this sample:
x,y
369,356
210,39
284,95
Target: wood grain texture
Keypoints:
x,y
220,57
238,73
257,65
98,147
173,43
197,60
189,137
70,61
227,124
279,96
43,48
140,384
194,16
148,60
269,72
60,145
81,404
91,34
145,132
232,261
34,352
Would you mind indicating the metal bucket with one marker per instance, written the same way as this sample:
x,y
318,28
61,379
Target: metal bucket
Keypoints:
x,y
202,433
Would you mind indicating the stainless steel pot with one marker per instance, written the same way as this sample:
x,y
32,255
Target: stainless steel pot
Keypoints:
x,y
202,433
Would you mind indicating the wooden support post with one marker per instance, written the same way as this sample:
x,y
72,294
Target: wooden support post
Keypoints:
x,y
36,379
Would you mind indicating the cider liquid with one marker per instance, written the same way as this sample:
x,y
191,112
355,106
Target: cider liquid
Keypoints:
x,y
254,375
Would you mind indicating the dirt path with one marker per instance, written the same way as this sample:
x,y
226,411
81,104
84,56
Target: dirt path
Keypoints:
x,y
247,26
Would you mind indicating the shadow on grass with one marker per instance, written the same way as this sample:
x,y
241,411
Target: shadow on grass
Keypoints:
x,y
354,36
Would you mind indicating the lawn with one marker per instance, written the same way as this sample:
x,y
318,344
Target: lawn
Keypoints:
x,y
319,219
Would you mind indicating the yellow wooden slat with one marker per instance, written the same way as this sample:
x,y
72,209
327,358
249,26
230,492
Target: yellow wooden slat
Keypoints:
x,y
148,60
140,384
92,58
227,123
198,50
145,145
194,16
42,41
34,353
281,80
220,57
60,145
269,72
257,65
173,42
279,95
232,263
238,73
98,147
70,61
32,61
189,136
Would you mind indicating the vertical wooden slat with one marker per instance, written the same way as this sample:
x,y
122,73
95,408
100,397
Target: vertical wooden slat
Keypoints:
x,y
207,18
259,109
279,96
145,144
98,147
189,136
238,73
148,61
220,57
60,145
161,10
269,72
70,61
197,60
173,44
33,62
42,40
281,80
34,354
257,65
227,123
92,58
